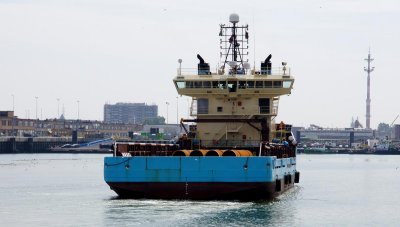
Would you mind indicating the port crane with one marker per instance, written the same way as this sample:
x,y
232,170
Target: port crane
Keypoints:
x,y
394,120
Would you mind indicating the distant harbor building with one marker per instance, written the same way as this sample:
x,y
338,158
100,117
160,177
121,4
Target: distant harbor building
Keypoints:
x,y
11,125
397,132
344,136
7,119
129,113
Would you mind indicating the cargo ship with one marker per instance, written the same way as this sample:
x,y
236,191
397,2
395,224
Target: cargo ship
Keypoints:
x,y
231,148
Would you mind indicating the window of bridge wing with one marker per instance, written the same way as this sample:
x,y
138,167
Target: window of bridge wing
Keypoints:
x,y
242,84
259,84
207,84
180,84
197,84
268,84
287,84
277,84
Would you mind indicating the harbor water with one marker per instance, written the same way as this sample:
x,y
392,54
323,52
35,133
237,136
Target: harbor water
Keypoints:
x,y
69,190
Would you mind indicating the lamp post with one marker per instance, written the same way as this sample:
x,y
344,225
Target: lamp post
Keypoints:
x,y
13,108
180,66
167,111
37,120
78,109
77,119
36,98
58,108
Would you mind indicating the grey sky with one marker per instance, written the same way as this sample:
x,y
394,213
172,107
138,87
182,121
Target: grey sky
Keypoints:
x,y
127,51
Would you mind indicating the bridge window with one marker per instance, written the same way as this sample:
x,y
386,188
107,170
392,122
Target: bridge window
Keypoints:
x,y
207,84
189,84
232,86
242,84
259,84
250,84
197,84
215,84
277,84
222,84
268,84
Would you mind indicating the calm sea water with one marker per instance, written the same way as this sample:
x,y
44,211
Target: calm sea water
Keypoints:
x,y
68,190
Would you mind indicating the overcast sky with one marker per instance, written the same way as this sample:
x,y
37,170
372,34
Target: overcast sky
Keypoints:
x,y
112,51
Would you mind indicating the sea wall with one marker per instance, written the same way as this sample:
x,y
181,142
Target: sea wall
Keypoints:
x,y
31,144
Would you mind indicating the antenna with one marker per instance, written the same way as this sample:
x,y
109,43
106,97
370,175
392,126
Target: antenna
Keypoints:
x,y
368,69
254,45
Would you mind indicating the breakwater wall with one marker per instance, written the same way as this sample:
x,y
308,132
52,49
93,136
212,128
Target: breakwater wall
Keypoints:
x,y
31,144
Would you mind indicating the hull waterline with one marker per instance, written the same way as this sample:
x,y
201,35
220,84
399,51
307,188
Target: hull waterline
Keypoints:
x,y
200,190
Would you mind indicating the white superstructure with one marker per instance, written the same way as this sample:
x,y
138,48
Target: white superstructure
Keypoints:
x,y
234,105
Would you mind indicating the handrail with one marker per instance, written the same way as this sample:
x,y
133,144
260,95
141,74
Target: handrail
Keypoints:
x,y
275,71
230,143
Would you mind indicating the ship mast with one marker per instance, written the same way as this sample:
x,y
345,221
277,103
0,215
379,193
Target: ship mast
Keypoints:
x,y
368,69
234,46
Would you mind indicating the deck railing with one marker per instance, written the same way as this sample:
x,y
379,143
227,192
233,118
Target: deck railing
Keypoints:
x,y
274,71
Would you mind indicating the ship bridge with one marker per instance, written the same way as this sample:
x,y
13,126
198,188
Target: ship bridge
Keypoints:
x,y
259,92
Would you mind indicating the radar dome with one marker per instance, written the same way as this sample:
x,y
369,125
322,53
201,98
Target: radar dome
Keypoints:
x,y
234,18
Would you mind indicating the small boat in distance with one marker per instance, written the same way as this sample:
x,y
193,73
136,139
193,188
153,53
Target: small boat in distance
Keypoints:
x,y
231,148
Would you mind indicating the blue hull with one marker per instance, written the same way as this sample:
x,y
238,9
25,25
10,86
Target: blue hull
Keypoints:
x,y
242,178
